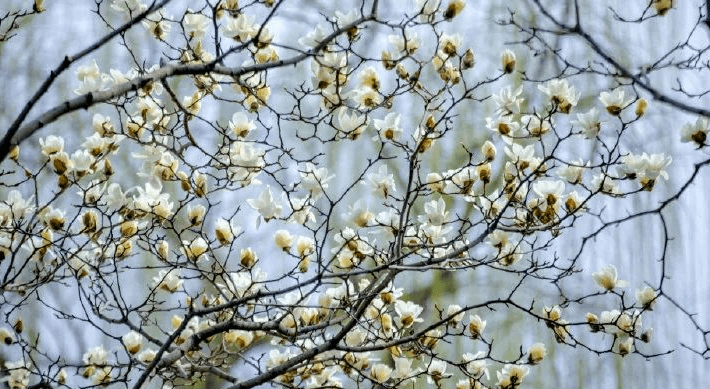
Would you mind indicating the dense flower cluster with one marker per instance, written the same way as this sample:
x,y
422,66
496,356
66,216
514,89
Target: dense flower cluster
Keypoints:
x,y
249,239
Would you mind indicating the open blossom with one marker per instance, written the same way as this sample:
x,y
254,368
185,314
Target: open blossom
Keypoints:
x,y
195,25
265,205
240,125
408,312
224,231
646,297
380,372
133,342
561,94
314,180
614,101
169,281
536,353
476,364
437,371
589,123
283,240
18,375
194,249
549,192
51,144
388,127
606,278
511,375
697,132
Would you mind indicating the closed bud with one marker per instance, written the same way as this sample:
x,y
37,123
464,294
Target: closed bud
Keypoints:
x,y
18,326
468,59
508,60
641,106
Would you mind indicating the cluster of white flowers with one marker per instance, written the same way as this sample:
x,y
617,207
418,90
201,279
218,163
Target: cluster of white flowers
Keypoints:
x,y
334,251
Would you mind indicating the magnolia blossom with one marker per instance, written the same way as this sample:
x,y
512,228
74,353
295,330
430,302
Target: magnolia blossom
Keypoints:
x,y
18,374
6,336
511,375
265,205
169,281
147,356
606,278
476,326
240,125
388,127
614,101
133,342
437,371
195,249
562,95
573,172
508,100
549,192
476,364
589,122
646,297
314,180
454,310
536,353
195,25
697,132
408,312
508,60
283,240
224,231
626,346
381,182
51,144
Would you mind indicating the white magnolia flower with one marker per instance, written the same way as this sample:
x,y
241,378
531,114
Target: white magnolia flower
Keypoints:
x,y
408,312
476,365
561,94
314,180
240,125
511,375
508,61
646,297
522,156
147,356
224,231
437,371
402,45
549,192
614,101
606,277
388,127
536,353
51,144
169,281
266,206
133,342
195,25
589,122
476,326
508,100
573,172
313,38
381,182
283,240
242,28
697,132
195,249
18,375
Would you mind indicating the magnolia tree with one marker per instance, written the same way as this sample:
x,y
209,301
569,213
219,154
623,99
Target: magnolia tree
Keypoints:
x,y
246,205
